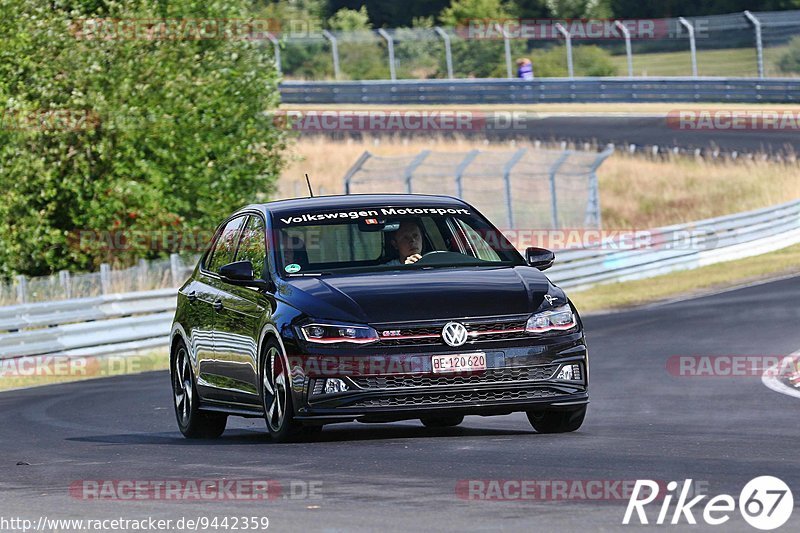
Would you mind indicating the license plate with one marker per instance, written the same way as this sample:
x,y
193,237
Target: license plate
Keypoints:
x,y
467,362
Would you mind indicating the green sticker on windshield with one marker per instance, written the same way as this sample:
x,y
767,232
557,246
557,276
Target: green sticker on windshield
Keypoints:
x,y
293,268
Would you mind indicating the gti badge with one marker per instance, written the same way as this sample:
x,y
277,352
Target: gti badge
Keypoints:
x,y
454,334
550,299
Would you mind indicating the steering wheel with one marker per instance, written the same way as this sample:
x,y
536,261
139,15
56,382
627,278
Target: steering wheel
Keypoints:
x,y
429,255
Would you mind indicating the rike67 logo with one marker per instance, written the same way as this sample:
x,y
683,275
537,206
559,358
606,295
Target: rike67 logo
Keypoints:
x,y
765,503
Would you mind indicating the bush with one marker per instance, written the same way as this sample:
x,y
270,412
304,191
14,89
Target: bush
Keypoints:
x,y
176,136
789,61
587,61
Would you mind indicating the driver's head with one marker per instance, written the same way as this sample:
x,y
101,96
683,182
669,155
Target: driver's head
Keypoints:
x,y
407,240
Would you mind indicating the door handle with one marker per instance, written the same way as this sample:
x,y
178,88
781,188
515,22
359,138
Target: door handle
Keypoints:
x,y
218,305
192,296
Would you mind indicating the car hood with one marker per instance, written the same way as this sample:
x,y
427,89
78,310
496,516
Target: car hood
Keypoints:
x,y
419,294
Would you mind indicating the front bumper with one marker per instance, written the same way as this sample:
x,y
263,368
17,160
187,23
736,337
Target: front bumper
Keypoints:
x,y
517,378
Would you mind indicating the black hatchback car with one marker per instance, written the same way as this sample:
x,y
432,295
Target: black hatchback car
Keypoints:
x,y
373,308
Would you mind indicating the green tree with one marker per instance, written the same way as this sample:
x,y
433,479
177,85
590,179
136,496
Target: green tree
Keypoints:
x,y
580,9
460,12
176,137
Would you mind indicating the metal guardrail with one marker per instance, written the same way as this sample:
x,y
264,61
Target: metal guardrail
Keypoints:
x,y
88,326
120,323
550,90
682,247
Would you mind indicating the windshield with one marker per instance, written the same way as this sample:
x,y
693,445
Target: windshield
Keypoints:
x,y
387,238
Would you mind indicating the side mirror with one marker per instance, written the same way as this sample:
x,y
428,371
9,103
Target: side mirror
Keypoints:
x,y
539,258
241,273
238,271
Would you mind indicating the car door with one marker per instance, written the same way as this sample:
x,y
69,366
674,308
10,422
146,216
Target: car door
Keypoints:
x,y
240,317
211,376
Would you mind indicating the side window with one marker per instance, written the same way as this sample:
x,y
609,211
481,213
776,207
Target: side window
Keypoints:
x,y
482,249
253,247
225,248
434,234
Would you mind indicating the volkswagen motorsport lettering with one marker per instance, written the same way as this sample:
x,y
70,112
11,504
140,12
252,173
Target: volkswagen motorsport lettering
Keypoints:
x,y
372,308
354,215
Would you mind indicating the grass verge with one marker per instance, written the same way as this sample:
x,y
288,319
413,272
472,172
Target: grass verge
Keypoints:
x,y
690,282
42,370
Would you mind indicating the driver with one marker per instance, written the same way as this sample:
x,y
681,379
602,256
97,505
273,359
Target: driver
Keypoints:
x,y
407,240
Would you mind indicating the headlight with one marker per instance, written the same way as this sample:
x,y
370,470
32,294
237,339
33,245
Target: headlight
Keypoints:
x,y
334,333
557,319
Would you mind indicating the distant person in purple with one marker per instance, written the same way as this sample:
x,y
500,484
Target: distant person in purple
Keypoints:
x,y
524,69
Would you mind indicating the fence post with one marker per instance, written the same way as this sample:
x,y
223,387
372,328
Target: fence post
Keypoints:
x,y
417,161
334,51
568,38
507,47
144,267
448,54
355,168
175,268
66,283
22,289
390,44
105,278
553,193
628,50
462,167
759,42
692,46
277,47
507,179
593,205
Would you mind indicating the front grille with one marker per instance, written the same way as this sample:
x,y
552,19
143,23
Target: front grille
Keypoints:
x,y
455,398
490,376
478,331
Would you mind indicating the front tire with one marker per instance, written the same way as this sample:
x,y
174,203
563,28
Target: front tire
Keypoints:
x,y
276,395
557,420
193,423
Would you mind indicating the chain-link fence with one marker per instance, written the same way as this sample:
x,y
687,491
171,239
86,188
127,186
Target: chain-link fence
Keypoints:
x,y
733,45
145,276
525,188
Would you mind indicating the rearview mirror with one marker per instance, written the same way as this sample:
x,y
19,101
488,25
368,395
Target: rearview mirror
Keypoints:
x,y
539,258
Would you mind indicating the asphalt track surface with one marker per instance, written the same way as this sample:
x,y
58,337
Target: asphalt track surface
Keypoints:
x,y
642,423
639,130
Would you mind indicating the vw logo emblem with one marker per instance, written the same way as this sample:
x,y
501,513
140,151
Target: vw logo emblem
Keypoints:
x,y
454,334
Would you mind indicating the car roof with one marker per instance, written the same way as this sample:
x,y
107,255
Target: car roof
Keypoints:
x,y
351,201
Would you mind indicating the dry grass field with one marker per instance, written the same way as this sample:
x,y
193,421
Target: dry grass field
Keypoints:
x,y
635,191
